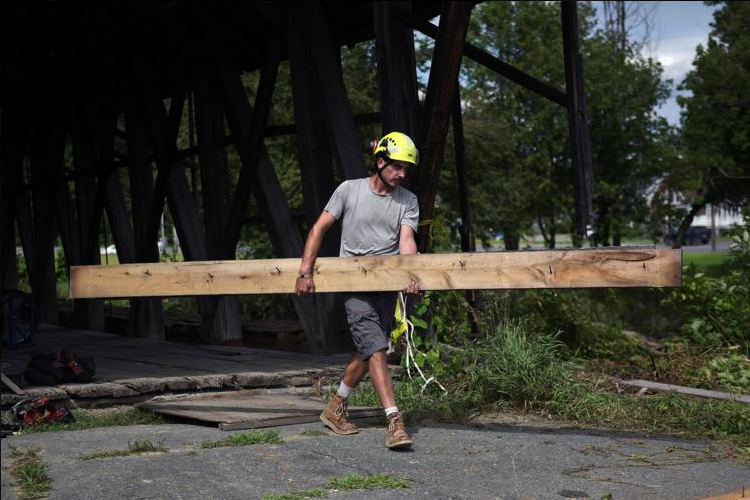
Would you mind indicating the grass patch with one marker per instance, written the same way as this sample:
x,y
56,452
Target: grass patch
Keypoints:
x,y
314,433
31,474
354,482
512,370
299,495
347,483
245,439
713,264
136,448
94,419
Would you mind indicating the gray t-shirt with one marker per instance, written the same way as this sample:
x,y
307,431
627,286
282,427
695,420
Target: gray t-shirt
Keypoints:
x,y
370,222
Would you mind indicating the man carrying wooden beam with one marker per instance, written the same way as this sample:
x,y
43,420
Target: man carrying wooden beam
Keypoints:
x,y
378,217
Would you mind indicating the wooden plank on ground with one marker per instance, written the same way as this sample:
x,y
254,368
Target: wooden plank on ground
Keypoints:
x,y
591,268
690,391
742,494
248,409
13,387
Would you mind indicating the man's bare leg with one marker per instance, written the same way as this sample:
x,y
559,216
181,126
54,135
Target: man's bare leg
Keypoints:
x,y
355,370
381,379
335,413
377,366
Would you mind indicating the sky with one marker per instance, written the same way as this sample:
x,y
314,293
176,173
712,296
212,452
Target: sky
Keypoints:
x,y
679,28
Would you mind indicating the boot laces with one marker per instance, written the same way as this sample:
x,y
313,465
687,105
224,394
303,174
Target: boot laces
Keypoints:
x,y
343,408
396,424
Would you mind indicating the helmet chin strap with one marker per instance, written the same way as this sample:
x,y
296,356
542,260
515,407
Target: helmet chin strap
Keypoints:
x,y
380,175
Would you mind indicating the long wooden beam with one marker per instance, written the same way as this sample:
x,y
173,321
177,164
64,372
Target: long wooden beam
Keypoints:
x,y
591,268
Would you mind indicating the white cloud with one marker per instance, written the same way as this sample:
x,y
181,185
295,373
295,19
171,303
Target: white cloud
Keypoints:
x,y
676,55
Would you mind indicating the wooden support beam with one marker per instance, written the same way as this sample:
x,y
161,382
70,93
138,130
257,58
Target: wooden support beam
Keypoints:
x,y
446,63
315,158
317,169
119,220
223,323
310,18
468,241
266,189
577,119
590,268
247,136
212,157
13,142
47,159
397,69
491,62
163,129
87,314
68,225
145,317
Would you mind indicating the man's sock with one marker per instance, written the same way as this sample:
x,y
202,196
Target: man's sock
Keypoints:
x,y
344,390
391,410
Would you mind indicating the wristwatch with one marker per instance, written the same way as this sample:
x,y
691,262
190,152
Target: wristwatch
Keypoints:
x,y
305,275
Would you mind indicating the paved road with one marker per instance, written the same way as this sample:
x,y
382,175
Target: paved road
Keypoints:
x,y
448,461
721,246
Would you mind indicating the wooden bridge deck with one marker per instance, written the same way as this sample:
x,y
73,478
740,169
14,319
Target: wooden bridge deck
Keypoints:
x,y
133,369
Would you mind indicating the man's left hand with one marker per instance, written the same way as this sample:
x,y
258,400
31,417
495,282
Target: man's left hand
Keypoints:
x,y
412,288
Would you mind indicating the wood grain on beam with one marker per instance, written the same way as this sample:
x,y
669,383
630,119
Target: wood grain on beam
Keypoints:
x,y
591,268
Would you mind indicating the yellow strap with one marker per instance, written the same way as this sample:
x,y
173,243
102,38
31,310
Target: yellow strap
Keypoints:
x,y
399,327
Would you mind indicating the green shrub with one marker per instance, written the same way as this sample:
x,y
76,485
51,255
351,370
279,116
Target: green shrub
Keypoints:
x,y
584,320
729,372
718,309
510,365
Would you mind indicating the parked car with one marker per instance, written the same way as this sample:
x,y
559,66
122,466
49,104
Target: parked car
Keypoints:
x,y
695,235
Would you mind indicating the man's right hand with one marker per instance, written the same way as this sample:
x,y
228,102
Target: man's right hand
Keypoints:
x,y
305,286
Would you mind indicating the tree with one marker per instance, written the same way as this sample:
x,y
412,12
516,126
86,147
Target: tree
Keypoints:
x,y
716,117
526,176
629,141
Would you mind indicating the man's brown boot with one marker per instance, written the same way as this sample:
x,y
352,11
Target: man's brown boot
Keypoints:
x,y
336,416
397,435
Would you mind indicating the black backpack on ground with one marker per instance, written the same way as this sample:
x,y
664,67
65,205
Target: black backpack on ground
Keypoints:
x,y
58,367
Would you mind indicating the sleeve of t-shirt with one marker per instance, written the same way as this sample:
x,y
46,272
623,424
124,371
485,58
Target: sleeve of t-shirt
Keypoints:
x,y
337,202
411,214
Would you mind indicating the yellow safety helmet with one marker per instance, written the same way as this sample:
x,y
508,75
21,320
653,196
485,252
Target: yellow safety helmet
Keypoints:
x,y
397,146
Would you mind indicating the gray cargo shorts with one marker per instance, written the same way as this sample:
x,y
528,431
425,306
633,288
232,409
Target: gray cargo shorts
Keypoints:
x,y
370,316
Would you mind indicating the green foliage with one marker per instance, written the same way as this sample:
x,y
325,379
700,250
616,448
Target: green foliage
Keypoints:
x,y
512,366
92,419
512,369
582,319
31,474
24,283
349,482
517,143
730,372
355,482
299,495
136,448
631,146
716,112
660,413
718,309
245,439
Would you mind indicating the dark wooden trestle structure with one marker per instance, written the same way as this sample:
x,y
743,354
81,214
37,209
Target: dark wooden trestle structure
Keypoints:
x,y
93,97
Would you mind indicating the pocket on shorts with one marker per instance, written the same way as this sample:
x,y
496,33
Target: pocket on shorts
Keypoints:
x,y
356,309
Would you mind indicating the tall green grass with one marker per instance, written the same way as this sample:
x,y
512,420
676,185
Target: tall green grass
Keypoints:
x,y
510,369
